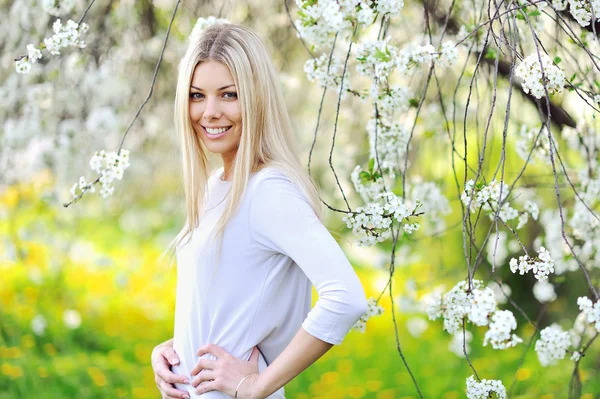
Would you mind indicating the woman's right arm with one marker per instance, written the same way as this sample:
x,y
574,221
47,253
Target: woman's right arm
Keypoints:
x,y
163,356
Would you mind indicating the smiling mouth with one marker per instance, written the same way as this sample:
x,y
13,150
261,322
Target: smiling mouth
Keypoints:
x,y
217,131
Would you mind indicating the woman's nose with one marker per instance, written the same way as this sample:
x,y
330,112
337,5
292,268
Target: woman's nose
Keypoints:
x,y
212,108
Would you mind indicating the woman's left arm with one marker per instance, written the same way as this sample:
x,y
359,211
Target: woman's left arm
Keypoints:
x,y
301,352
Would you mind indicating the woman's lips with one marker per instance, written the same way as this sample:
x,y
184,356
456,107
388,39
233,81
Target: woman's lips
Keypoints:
x,y
215,136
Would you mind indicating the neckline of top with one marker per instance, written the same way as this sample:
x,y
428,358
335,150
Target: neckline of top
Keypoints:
x,y
221,172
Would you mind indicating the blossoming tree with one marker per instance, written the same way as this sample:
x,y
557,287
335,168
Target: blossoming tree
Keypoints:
x,y
510,90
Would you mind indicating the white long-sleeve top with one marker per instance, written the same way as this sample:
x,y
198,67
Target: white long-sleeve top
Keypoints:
x,y
274,249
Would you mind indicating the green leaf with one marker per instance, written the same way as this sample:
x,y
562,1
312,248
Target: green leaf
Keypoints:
x,y
573,78
521,17
490,55
597,84
413,102
557,60
535,13
380,55
371,164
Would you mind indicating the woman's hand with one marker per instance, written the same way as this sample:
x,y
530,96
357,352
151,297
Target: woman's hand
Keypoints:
x,y
225,373
163,356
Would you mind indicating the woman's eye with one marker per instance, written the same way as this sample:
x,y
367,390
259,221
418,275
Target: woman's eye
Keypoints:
x,y
196,95
230,94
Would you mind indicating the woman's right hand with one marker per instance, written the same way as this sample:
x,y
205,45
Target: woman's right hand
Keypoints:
x,y
163,356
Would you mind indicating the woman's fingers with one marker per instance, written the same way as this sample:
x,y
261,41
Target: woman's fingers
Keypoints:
x,y
167,390
203,376
203,364
168,353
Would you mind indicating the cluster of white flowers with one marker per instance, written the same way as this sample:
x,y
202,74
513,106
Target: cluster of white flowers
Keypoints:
x,y
525,139
448,55
203,23
477,305
392,140
542,266
368,190
543,291
559,5
488,198
64,36
388,7
390,101
435,204
372,310
590,310
531,73
581,10
371,223
485,388
499,333
530,208
461,342
320,21
58,7
110,166
552,345
376,59
325,73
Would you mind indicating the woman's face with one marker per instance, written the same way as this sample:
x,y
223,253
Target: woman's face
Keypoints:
x,y
214,109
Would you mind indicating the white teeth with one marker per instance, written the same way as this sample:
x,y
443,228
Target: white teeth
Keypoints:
x,y
216,131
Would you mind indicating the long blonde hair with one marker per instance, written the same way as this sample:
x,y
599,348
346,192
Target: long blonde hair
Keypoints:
x,y
267,138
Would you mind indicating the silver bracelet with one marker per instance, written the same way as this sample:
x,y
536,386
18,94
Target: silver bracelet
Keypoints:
x,y
238,387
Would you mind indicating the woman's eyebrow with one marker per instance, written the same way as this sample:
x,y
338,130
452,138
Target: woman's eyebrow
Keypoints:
x,y
219,89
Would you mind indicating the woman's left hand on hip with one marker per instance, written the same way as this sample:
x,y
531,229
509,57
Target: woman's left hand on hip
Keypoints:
x,y
225,373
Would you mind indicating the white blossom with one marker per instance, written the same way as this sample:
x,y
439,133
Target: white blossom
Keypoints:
x,y
581,10
500,330
376,59
58,7
543,291
389,7
372,310
23,65
477,305
448,55
552,345
33,53
590,310
109,166
325,73
542,266
485,388
371,223
531,73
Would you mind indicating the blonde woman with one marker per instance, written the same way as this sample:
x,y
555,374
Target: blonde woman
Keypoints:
x,y
253,243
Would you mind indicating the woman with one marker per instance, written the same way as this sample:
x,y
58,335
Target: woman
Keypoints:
x,y
253,242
